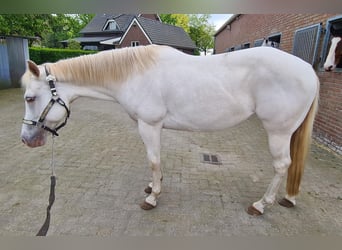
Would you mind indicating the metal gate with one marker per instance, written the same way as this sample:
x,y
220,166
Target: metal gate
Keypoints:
x,y
306,41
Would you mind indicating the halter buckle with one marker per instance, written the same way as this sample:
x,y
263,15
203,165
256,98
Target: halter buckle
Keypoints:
x,y
50,78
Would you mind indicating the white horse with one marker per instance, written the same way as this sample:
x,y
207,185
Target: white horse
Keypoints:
x,y
161,87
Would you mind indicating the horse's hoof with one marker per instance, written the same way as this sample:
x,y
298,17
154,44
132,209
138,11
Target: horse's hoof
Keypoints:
x,y
286,203
148,190
146,206
253,211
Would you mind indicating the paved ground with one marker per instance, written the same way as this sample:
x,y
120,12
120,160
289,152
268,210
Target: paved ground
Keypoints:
x,y
102,171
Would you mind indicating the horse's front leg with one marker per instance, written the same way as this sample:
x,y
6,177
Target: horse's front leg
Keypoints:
x,y
150,135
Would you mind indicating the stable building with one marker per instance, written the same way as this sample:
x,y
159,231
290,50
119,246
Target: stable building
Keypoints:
x,y
306,36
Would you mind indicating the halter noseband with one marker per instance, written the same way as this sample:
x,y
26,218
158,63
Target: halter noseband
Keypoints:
x,y
55,98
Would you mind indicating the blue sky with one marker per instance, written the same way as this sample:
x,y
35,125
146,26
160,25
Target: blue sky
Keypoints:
x,y
219,19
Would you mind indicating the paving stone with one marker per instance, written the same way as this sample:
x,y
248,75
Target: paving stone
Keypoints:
x,y
102,170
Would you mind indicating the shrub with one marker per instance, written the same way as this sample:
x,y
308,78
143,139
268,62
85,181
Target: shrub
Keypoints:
x,y
73,44
43,55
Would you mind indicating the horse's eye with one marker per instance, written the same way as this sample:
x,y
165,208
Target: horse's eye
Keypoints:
x,y
30,99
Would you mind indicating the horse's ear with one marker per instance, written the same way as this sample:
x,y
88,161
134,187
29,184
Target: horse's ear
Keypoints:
x,y
33,68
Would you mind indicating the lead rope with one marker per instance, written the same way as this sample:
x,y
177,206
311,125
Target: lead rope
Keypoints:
x,y
52,163
44,229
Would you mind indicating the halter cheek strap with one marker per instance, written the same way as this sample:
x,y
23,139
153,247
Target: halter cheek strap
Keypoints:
x,y
54,99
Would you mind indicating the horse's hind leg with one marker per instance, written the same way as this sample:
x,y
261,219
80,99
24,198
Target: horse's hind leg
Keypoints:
x,y
280,150
151,138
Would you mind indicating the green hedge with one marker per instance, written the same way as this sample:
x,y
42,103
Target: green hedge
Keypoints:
x,y
43,55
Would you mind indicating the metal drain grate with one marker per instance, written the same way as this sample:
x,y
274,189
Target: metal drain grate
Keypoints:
x,y
211,159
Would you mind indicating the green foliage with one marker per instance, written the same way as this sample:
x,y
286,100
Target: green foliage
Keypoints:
x,y
25,24
197,26
43,55
180,20
73,44
201,32
50,29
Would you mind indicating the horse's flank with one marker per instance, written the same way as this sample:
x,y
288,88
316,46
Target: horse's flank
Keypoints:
x,y
105,67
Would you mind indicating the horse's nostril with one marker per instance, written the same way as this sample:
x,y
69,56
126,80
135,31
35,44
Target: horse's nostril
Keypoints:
x,y
329,68
23,140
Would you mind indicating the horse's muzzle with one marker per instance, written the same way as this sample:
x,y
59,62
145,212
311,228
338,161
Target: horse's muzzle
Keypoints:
x,y
37,140
329,68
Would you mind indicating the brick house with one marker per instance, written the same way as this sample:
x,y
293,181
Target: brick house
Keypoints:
x,y
306,36
111,31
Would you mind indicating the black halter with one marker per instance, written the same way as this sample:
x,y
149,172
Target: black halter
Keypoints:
x,y
55,98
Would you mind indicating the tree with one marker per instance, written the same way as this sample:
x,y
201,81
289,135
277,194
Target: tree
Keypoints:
x,y
197,26
49,28
64,27
180,20
202,32
34,25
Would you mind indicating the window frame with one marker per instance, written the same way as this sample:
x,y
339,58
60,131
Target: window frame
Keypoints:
x,y
275,35
108,24
258,42
326,42
246,45
135,43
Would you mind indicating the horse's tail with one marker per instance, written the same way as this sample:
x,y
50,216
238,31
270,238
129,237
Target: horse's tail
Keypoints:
x,y
300,144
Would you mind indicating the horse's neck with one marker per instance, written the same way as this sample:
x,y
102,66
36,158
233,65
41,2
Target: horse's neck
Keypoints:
x,y
76,91
75,88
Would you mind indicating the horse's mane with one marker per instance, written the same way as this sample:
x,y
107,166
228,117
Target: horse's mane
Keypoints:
x,y
104,67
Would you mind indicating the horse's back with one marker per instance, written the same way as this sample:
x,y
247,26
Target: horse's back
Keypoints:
x,y
219,91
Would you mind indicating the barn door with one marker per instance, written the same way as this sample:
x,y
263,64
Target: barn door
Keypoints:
x,y
5,79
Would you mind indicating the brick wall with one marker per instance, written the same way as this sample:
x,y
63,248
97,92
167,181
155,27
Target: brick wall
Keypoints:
x,y
134,34
250,27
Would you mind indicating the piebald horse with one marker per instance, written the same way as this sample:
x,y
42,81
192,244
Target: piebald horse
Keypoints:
x,y
335,52
161,87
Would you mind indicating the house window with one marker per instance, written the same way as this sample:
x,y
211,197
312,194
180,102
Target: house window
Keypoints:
x,y
90,47
111,25
246,45
336,22
258,42
135,43
238,47
275,39
306,42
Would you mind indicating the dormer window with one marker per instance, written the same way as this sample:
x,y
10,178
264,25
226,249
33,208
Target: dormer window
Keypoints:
x,y
111,25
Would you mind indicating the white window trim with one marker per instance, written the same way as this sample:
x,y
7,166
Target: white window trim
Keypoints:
x,y
108,23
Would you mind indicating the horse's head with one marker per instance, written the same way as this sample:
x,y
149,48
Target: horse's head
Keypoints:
x,y
335,51
44,110
335,54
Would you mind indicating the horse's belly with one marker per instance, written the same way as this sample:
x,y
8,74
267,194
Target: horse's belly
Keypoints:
x,y
204,121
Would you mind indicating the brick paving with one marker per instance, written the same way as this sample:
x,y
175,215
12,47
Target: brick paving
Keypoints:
x,y
102,170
